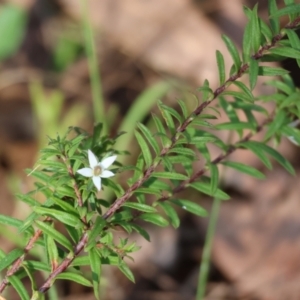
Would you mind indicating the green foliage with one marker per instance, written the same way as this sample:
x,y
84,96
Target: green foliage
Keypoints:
x,y
66,172
13,20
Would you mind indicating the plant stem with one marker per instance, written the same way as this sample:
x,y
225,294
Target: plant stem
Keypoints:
x,y
204,266
97,95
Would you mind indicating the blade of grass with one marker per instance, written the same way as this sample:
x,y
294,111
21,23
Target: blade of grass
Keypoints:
x,y
137,113
97,94
211,229
205,261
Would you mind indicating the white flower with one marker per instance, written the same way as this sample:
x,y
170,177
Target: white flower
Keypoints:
x,y
97,169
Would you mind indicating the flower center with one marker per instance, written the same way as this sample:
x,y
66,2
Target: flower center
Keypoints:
x,y
97,171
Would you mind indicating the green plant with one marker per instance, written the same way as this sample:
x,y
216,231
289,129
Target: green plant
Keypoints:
x,y
12,28
72,200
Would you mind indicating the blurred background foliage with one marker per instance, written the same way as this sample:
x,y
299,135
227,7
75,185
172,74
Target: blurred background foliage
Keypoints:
x,y
146,50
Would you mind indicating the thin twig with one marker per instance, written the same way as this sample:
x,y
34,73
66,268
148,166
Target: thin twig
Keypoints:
x,y
17,263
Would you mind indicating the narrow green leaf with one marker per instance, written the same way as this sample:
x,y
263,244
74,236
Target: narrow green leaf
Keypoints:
x,y
145,150
66,206
205,188
2,254
145,190
30,275
229,110
246,44
116,188
286,52
84,260
78,278
207,92
253,73
250,118
56,235
79,261
173,112
247,12
170,212
190,206
140,207
167,164
233,51
141,231
155,219
28,199
167,117
221,67
277,156
53,164
293,134
96,231
36,265
126,271
273,13
74,233
234,126
19,287
183,151
28,222
169,175
10,258
290,9
244,169
294,40
203,139
201,135
52,251
239,95
265,30
180,159
161,129
244,89
214,175
183,108
255,30
204,151
281,86
10,221
95,264
148,135
39,175
138,173
279,120
61,216
157,184
257,150
250,107
271,71
292,16
65,191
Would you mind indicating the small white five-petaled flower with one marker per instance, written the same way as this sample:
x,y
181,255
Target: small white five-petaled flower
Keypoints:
x,y
98,169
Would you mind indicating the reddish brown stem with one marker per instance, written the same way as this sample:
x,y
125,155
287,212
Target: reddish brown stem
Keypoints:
x,y
119,202
65,264
217,160
17,263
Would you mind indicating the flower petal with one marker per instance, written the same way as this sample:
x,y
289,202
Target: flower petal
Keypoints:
x,y
86,172
106,162
97,182
106,174
92,159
